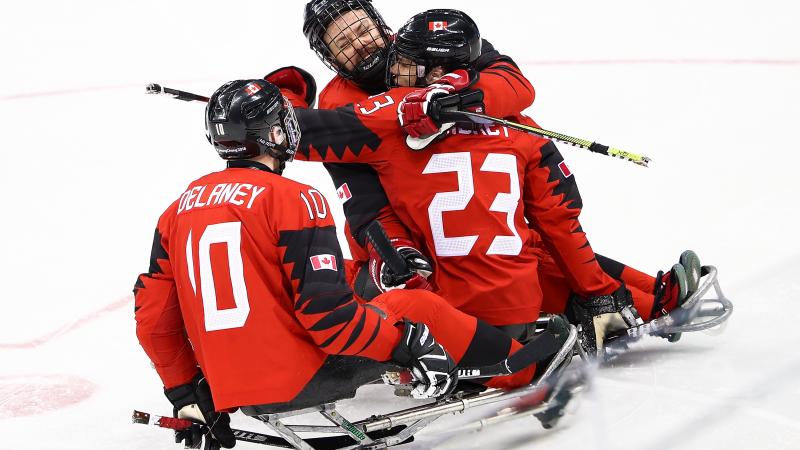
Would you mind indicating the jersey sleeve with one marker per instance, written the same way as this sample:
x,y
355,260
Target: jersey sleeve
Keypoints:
x,y
336,135
506,91
365,132
363,197
323,302
552,206
159,323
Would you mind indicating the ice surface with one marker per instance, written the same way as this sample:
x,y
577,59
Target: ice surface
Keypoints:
x,y
708,89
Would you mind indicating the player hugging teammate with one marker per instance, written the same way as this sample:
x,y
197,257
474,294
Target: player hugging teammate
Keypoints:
x,y
248,302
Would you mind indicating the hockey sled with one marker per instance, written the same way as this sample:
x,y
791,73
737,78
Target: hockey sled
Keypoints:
x,y
545,400
703,311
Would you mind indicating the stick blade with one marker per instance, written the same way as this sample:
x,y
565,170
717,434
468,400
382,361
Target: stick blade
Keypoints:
x,y
141,417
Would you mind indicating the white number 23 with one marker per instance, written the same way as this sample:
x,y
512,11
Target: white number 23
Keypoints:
x,y
506,202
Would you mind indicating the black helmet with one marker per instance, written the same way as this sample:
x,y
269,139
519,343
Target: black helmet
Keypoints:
x,y
250,118
437,37
363,46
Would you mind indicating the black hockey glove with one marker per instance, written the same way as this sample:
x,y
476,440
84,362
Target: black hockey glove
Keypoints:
x,y
417,264
445,109
193,401
602,317
433,369
418,268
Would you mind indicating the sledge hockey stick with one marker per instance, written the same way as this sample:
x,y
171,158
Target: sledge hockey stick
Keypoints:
x,y
460,116
154,88
376,235
457,116
326,442
182,424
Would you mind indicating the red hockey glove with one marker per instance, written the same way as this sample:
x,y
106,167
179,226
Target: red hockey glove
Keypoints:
x,y
414,108
296,84
419,268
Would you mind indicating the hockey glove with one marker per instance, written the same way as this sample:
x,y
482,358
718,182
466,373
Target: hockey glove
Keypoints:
x,y
193,401
602,317
413,110
298,85
433,369
415,277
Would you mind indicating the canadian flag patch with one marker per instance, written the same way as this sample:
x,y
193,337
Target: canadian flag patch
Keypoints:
x,y
322,262
437,25
564,169
252,88
344,193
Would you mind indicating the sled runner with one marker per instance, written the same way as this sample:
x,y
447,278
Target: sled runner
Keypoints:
x,y
704,310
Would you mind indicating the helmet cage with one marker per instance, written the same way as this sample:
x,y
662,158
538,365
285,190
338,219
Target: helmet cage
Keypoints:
x,y
362,44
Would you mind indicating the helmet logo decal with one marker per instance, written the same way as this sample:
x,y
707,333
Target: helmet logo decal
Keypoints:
x,y
220,129
252,88
437,25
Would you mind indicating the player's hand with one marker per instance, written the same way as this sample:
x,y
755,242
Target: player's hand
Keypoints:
x,y
419,268
602,316
433,369
193,401
414,110
296,84
417,264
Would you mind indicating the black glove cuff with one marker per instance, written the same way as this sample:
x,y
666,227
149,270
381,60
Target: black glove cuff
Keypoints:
x,y
181,396
580,309
402,353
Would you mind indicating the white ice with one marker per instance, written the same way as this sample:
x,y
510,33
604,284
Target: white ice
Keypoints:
x,y
710,90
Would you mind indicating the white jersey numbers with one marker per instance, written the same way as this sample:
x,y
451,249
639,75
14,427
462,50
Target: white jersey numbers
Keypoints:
x,y
506,202
320,208
451,201
377,104
230,234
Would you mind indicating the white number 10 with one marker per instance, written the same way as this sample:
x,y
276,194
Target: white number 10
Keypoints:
x,y
229,233
506,202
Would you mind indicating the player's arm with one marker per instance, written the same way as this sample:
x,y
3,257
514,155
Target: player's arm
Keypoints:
x,y
358,185
324,303
351,134
552,206
506,91
159,324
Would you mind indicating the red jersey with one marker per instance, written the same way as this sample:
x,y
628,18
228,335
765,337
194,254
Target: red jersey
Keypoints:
x,y
506,92
469,199
249,265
